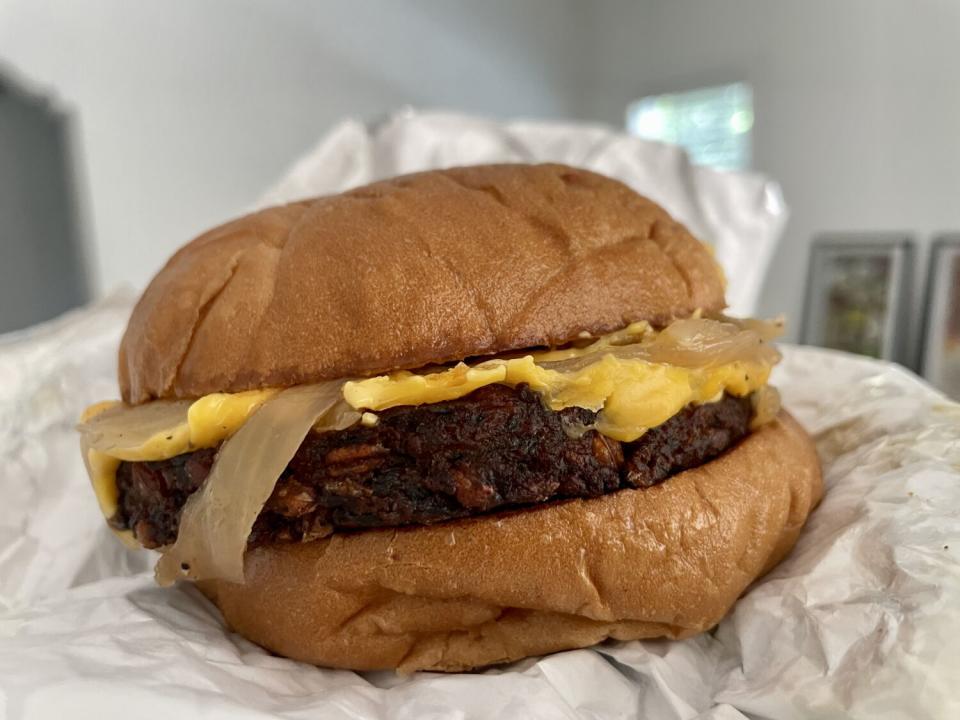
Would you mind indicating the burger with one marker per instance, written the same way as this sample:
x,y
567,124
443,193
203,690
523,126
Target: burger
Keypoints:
x,y
449,420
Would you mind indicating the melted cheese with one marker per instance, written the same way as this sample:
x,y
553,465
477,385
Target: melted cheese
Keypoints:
x,y
630,395
103,475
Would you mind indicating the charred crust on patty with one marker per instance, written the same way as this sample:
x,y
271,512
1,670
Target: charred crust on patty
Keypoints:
x,y
493,449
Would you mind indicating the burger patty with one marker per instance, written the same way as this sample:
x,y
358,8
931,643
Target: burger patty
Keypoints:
x,y
495,448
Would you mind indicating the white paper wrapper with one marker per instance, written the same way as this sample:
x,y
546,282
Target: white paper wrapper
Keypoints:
x,y
861,620
741,214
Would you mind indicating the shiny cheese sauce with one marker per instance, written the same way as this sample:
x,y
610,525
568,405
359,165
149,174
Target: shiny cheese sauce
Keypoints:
x,y
630,395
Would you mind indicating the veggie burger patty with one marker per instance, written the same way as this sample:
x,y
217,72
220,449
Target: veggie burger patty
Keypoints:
x,y
495,448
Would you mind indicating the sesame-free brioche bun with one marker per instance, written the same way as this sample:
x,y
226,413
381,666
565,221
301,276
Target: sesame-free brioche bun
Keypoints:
x,y
419,269
666,561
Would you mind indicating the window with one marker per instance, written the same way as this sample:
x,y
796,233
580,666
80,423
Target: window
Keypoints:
x,y
713,124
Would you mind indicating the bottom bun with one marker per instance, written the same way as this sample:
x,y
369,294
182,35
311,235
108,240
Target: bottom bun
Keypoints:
x,y
668,561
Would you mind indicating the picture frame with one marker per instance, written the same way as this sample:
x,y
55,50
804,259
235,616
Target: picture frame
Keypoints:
x,y
857,295
940,360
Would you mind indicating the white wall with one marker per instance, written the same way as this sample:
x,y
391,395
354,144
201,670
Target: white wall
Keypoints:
x,y
857,104
188,109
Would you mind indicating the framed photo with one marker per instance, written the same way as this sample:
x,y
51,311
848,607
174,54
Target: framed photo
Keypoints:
x,y
857,294
941,335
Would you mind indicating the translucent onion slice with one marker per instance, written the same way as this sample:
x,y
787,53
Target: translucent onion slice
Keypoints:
x,y
690,343
217,520
766,329
128,432
165,428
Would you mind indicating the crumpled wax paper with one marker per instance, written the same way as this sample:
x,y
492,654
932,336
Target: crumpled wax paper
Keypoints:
x,y
861,620
742,215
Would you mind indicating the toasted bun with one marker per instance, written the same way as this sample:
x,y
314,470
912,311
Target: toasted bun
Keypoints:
x,y
667,561
424,268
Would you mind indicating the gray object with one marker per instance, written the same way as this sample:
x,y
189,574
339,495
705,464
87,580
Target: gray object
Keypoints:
x,y
858,295
941,335
42,267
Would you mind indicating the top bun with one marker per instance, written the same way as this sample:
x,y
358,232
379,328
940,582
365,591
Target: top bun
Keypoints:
x,y
419,269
